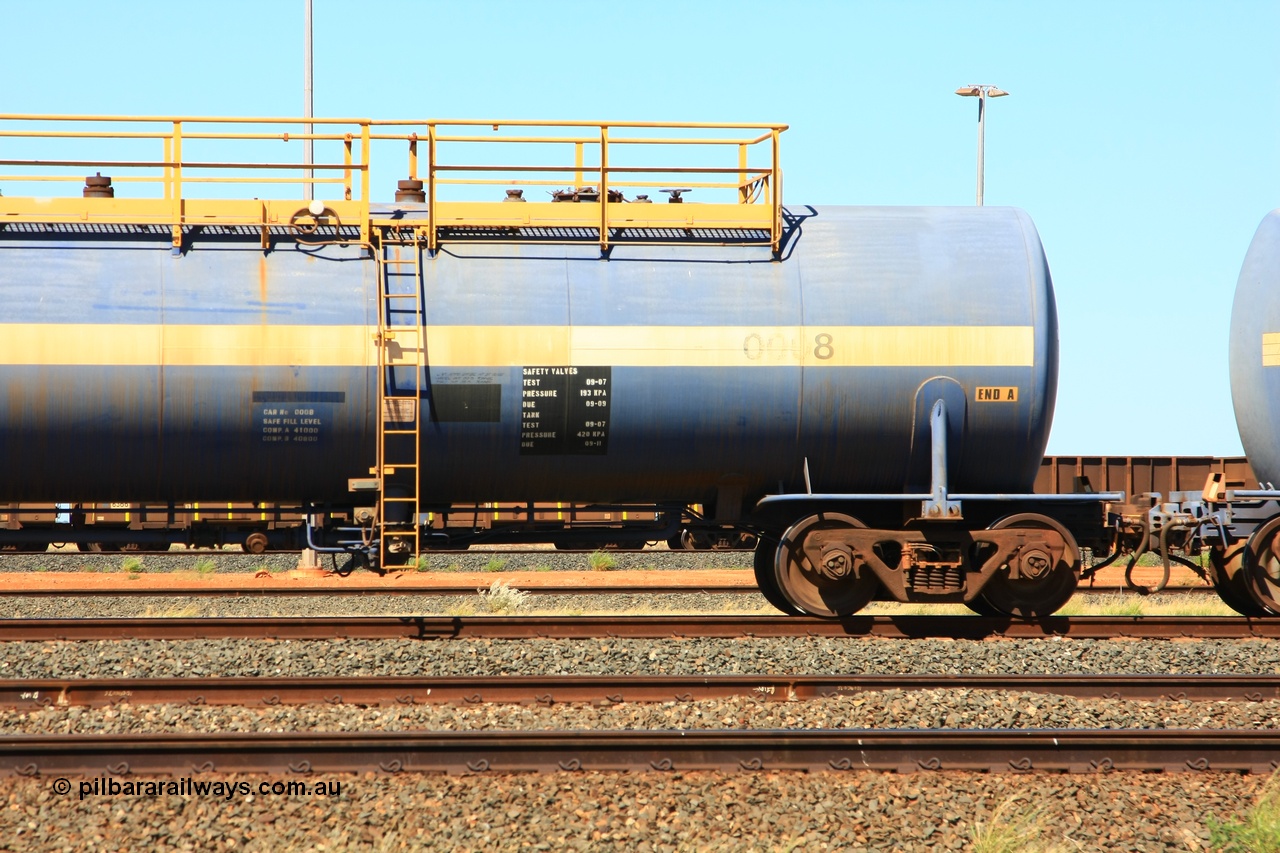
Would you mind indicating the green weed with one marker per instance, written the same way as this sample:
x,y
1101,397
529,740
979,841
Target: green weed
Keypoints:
x,y
500,598
1011,830
599,561
1258,831
1132,604
174,612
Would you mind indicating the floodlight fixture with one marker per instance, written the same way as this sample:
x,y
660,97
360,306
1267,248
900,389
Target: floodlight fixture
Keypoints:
x,y
981,93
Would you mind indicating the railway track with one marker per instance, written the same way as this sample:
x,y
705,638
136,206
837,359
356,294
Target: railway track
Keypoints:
x,y
710,583
37,693
583,627
537,583
119,757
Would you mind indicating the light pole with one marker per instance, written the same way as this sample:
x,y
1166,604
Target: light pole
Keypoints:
x,y
981,93
308,145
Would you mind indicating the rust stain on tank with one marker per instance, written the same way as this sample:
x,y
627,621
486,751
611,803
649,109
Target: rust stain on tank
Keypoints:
x,y
264,320
262,279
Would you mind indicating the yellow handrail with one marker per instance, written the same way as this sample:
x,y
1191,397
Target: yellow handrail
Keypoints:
x,y
606,162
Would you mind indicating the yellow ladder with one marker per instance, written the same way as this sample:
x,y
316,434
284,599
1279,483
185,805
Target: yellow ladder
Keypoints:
x,y
401,350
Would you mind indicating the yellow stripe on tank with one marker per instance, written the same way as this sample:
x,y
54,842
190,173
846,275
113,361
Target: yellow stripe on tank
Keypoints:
x,y
513,346
1271,349
141,345
733,346
305,346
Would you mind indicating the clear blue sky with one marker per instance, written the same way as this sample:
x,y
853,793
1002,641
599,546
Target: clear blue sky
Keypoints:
x,y
1142,137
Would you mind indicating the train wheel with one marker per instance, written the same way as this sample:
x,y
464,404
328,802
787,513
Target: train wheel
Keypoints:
x,y
1226,571
255,543
114,546
766,577
818,574
395,559
1045,585
1261,565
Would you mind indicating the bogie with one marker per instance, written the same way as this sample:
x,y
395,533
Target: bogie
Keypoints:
x,y
830,564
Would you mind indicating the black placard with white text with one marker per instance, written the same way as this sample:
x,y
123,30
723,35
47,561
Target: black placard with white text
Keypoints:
x,y
565,410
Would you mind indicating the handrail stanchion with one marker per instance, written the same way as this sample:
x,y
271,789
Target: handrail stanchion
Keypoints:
x,y
346,173
177,186
431,189
604,188
775,194
365,142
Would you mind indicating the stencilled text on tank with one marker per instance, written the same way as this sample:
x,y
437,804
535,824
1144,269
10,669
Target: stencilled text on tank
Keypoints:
x,y
785,347
771,347
293,423
565,410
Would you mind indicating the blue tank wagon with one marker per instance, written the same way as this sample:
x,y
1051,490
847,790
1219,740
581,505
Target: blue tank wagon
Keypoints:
x,y
1255,351
1247,552
869,389
1236,521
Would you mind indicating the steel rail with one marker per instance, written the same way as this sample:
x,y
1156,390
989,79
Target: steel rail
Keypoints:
x,y
120,758
478,552
344,589
1121,589
599,627
36,693
649,582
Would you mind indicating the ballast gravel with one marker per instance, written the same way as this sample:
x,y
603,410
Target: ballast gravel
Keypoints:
x,y
646,811
688,656
643,811
891,709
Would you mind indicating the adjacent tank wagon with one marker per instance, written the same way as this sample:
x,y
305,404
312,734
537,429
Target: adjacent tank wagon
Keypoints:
x,y
1255,351
1237,523
1247,544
